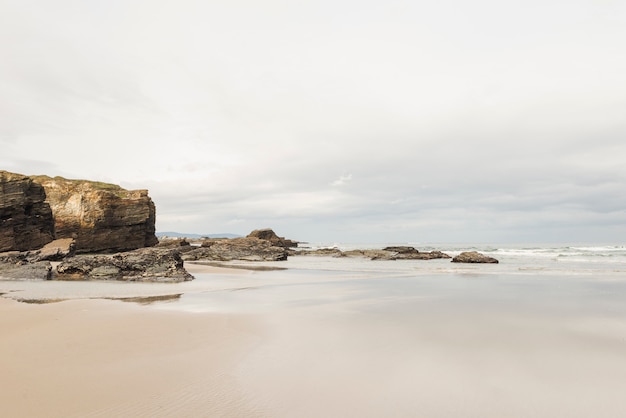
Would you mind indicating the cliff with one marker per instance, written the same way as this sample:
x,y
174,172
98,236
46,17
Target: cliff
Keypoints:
x,y
101,217
26,221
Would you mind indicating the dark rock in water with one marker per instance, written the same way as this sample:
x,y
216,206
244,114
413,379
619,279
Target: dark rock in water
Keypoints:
x,y
401,250
145,265
268,235
248,249
388,253
372,254
101,217
26,221
434,254
473,257
326,252
410,253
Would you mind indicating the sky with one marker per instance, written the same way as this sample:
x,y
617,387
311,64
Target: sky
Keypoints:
x,y
330,121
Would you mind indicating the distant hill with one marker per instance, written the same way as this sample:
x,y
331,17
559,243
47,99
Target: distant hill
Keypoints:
x,y
195,236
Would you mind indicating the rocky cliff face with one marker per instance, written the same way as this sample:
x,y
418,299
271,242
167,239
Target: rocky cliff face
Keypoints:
x,y
26,221
100,216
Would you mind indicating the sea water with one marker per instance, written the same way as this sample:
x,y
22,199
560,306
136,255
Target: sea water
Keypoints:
x,y
578,276
541,334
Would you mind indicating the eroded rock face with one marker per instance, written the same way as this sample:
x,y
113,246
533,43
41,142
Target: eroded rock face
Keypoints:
x,y
145,265
268,234
248,249
100,217
473,257
26,219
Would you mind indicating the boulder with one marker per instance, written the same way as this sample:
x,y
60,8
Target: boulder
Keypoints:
x,y
269,235
101,217
473,257
145,265
56,250
248,249
26,221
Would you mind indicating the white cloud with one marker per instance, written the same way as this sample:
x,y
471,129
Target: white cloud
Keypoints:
x,y
342,180
241,114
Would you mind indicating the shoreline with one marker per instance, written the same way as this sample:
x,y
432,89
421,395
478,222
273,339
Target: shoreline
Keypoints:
x,y
328,337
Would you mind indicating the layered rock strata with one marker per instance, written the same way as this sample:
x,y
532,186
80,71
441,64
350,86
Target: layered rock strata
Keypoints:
x,y
101,217
145,264
26,221
247,249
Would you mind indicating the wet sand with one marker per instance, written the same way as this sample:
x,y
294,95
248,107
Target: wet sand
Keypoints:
x,y
288,344
98,358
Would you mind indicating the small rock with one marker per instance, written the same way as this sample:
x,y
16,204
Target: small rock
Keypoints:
x,y
473,257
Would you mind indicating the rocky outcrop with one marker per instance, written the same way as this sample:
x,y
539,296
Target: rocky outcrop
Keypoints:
x,y
180,244
22,265
388,253
247,249
410,253
473,257
322,252
101,217
269,235
26,219
142,265
41,270
56,250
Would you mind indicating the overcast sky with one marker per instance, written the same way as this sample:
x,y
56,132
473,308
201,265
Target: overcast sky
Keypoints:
x,y
342,120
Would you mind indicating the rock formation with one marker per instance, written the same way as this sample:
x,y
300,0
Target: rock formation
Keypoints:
x,y
410,253
388,253
26,219
101,217
322,252
269,235
56,250
473,257
247,249
22,265
86,217
145,264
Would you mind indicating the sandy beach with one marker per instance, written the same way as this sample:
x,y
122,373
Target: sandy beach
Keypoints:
x,y
103,358
307,344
